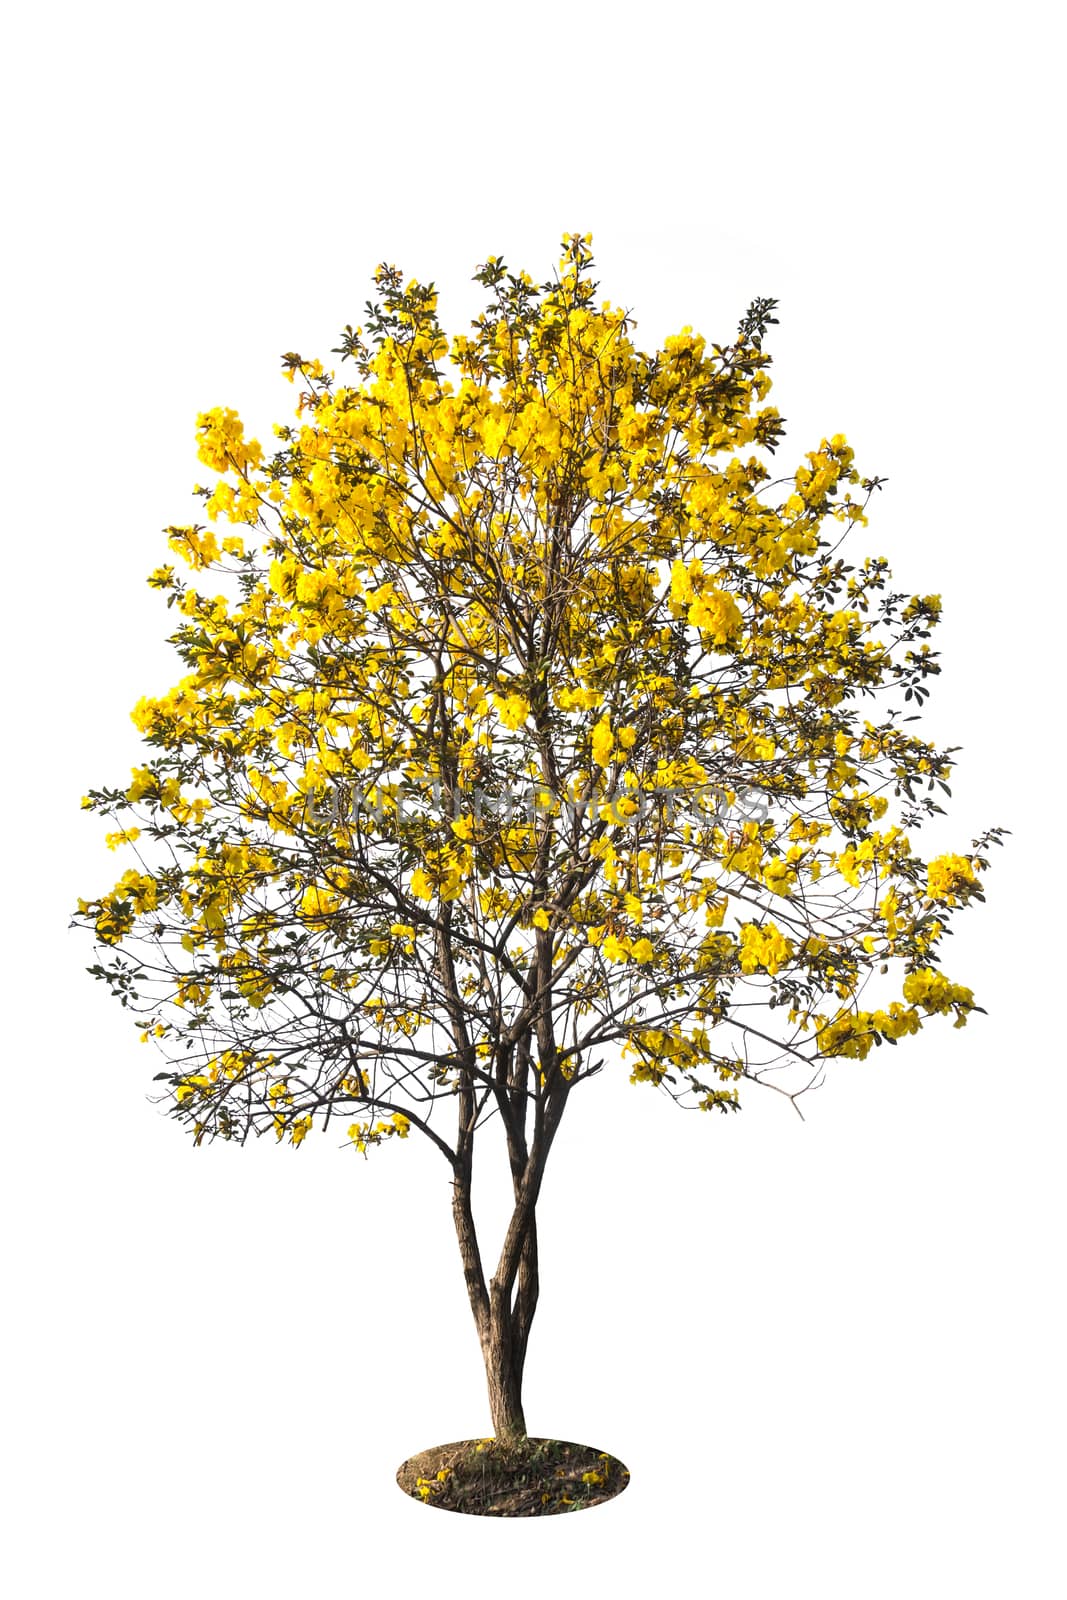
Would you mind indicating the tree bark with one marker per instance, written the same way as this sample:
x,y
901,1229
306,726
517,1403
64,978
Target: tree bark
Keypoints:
x,y
504,1308
503,1373
526,1297
503,1330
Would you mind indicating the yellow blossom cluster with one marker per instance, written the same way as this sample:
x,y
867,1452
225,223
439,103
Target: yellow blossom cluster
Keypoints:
x,y
364,1134
763,948
852,1033
930,989
221,441
949,878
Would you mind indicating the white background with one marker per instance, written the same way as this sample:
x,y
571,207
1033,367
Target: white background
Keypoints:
x,y
831,1351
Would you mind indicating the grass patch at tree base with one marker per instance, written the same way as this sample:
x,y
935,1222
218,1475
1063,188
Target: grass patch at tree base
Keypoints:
x,y
517,1478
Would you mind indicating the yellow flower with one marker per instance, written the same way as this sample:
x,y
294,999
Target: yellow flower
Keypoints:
x,y
377,598
934,992
614,949
125,836
317,904
681,585
849,1034
603,743
222,441
716,613
513,709
643,951
948,877
195,545
764,947
778,876
634,908
144,782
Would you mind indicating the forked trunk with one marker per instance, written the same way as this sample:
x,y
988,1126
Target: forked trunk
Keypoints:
x,y
504,1375
504,1308
503,1327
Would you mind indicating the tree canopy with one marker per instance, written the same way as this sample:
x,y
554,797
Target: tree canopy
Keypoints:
x,y
540,727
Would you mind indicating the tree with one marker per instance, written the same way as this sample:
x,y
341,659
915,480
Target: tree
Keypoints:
x,y
539,728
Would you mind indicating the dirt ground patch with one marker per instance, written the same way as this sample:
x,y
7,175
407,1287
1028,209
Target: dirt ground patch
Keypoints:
x,y
528,1478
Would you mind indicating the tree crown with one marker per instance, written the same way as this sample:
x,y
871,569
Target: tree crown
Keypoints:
x,y
539,722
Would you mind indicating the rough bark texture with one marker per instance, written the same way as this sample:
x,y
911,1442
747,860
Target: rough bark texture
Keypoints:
x,y
504,1309
504,1375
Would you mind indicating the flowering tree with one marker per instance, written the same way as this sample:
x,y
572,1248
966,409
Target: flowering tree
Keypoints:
x,y
539,729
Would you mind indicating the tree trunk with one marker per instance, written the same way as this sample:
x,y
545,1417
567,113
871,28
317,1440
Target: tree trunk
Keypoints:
x,y
503,1334
503,1309
504,1375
